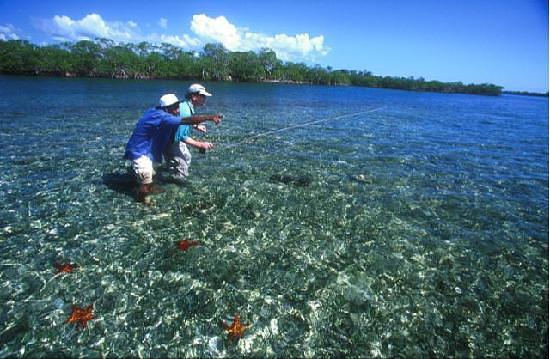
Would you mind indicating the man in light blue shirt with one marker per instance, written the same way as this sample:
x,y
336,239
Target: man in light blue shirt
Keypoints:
x,y
177,154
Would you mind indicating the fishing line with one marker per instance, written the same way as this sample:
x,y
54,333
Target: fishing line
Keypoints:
x,y
298,125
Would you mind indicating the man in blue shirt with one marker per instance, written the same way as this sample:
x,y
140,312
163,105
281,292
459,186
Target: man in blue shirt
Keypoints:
x,y
151,135
177,154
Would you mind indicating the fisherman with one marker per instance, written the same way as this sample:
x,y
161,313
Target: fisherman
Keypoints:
x,y
177,154
151,135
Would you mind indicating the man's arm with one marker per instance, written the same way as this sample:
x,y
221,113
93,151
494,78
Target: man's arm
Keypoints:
x,y
196,119
199,144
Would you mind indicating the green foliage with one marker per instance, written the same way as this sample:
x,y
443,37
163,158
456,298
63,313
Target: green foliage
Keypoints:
x,y
105,58
246,66
216,62
54,60
86,56
120,62
269,62
18,56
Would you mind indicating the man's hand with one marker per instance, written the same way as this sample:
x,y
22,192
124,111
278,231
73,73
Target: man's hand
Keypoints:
x,y
217,118
206,145
201,128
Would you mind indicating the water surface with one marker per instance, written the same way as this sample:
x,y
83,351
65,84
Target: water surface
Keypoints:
x,y
417,229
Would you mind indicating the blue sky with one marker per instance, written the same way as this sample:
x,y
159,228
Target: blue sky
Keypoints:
x,y
502,42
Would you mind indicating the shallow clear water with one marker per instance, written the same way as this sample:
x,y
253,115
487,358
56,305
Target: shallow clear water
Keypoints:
x,y
418,229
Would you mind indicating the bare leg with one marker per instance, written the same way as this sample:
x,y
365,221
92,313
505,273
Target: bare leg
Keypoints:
x,y
144,193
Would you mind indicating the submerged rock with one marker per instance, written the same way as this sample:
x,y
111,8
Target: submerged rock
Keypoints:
x,y
361,178
295,180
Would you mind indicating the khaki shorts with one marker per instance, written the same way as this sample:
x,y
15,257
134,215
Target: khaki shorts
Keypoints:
x,y
143,169
178,159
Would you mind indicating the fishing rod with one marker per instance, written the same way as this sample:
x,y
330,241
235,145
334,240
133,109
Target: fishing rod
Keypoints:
x,y
299,125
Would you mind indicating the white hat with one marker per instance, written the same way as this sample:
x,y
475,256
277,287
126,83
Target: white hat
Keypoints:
x,y
168,100
198,88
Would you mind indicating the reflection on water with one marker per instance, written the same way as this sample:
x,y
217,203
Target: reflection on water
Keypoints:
x,y
418,230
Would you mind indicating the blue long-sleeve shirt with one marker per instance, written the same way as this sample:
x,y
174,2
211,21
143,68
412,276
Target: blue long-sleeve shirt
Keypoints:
x,y
153,131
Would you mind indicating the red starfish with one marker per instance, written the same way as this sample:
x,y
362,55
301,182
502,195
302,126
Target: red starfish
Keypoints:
x,y
236,329
65,267
185,244
81,316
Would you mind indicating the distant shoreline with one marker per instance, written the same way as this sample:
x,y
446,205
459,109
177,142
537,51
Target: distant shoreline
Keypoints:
x,y
525,93
269,81
103,58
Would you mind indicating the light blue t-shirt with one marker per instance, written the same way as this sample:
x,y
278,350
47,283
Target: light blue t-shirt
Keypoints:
x,y
186,110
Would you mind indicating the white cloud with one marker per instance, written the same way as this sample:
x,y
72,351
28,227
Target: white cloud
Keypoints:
x,y
62,27
298,47
92,26
218,29
7,32
163,23
184,41
287,47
